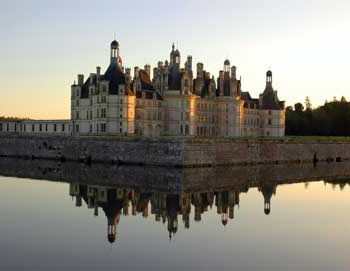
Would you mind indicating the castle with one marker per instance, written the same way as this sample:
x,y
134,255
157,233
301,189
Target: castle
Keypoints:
x,y
174,103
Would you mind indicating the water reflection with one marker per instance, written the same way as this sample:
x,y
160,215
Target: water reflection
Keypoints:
x,y
209,210
166,208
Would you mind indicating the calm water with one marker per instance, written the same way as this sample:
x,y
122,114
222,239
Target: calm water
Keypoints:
x,y
267,226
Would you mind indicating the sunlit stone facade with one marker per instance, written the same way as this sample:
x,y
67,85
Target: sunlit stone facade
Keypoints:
x,y
177,101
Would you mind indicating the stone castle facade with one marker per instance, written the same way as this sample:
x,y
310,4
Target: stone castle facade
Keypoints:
x,y
177,101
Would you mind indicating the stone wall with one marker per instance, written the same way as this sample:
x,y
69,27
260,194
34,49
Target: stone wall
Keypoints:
x,y
163,152
199,152
173,151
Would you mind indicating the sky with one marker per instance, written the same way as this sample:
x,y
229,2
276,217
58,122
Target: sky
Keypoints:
x,y
46,43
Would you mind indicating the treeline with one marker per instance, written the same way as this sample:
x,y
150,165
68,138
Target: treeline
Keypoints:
x,y
330,119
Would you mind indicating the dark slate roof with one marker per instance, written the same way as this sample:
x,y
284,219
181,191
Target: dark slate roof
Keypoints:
x,y
85,89
174,80
114,44
115,77
227,62
245,95
249,102
270,100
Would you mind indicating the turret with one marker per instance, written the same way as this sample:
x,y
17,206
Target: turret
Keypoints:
x,y
115,56
269,77
227,66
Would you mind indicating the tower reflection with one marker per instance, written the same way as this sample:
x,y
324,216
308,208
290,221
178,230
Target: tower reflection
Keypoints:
x,y
166,207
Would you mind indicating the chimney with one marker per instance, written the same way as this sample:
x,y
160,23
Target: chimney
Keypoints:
x,y
189,62
80,79
148,70
128,75
98,72
136,72
233,72
92,75
199,70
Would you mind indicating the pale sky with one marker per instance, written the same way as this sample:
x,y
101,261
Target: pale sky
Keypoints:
x,y
46,43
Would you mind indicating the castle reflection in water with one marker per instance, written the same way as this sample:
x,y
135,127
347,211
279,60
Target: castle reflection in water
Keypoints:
x,y
166,208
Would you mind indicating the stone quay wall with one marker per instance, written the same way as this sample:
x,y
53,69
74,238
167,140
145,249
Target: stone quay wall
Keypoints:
x,y
179,152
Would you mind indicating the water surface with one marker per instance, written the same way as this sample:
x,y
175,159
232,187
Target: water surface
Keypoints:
x,y
267,226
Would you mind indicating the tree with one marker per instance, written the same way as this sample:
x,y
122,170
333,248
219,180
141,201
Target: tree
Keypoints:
x,y
330,119
298,107
308,104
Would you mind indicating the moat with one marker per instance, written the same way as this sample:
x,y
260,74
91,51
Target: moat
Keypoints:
x,y
266,217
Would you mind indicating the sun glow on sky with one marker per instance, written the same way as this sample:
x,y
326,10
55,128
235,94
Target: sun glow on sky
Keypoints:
x,y
45,44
